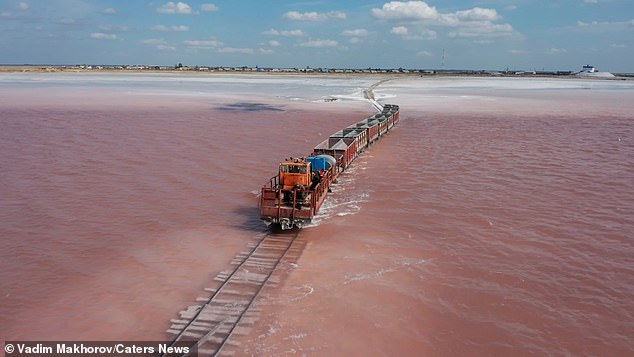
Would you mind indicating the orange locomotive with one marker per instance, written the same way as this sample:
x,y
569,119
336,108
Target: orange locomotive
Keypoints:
x,y
295,194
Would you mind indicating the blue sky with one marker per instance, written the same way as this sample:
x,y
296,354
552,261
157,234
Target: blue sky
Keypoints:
x,y
461,34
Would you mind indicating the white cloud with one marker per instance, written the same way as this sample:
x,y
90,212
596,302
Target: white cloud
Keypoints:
x,y
591,1
208,8
427,35
103,36
423,34
159,44
174,8
274,32
518,52
478,14
161,28
485,29
314,16
472,17
355,33
22,6
235,50
474,22
320,43
617,45
154,42
355,40
109,11
337,15
556,51
606,25
425,54
266,51
203,43
274,43
399,30
410,10
176,28
586,24
165,48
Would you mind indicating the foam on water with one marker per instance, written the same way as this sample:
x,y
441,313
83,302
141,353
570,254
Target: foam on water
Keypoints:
x,y
345,199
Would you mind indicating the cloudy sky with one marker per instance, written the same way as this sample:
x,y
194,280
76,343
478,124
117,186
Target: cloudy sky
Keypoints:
x,y
460,34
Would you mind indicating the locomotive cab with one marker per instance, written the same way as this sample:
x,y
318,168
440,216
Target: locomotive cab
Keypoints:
x,y
294,173
295,177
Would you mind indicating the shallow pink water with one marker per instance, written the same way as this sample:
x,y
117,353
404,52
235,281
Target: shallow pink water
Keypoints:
x,y
474,228
116,214
492,232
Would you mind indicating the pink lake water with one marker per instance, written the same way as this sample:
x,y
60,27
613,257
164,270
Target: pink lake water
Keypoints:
x,y
495,219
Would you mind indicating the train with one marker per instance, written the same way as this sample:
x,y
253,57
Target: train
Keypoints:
x,y
293,197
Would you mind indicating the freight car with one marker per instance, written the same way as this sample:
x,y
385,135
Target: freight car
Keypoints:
x,y
293,197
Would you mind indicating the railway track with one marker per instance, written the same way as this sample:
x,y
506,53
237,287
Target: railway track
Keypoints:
x,y
228,307
368,93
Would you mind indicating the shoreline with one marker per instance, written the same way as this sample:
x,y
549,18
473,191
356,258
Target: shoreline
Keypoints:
x,y
353,73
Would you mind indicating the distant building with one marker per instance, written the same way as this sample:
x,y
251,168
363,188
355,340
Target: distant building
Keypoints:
x,y
588,69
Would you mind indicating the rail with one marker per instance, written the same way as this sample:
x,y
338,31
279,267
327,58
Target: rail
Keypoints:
x,y
209,326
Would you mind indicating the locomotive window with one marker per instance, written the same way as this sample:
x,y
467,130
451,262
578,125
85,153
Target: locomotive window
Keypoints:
x,y
293,169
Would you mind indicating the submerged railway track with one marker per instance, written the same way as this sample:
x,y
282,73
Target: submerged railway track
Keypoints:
x,y
228,307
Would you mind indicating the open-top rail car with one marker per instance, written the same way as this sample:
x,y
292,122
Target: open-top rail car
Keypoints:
x,y
293,197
